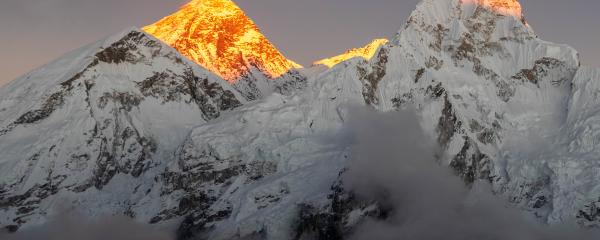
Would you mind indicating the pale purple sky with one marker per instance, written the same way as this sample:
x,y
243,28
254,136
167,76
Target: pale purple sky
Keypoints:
x,y
34,32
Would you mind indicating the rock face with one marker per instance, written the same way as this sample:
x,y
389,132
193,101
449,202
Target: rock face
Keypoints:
x,y
128,126
218,35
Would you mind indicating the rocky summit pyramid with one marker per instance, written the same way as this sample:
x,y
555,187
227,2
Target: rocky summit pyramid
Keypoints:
x,y
218,35
128,126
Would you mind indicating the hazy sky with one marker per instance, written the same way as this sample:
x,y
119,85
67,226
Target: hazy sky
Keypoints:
x,y
33,32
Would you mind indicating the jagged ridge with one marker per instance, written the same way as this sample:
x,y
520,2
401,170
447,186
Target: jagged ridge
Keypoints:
x,y
365,52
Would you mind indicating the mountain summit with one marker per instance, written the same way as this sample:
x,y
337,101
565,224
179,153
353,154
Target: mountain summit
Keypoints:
x,y
504,7
365,52
219,36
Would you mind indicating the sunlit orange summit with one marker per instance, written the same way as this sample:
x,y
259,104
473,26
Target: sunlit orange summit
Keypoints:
x,y
219,36
505,7
365,52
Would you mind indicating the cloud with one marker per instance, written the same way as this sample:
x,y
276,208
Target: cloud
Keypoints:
x,y
394,163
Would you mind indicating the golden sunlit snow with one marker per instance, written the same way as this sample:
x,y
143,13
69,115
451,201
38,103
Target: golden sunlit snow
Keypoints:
x,y
366,52
218,35
505,7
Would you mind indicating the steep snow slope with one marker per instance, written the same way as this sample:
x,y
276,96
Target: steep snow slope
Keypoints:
x,y
93,126
577,161
284,145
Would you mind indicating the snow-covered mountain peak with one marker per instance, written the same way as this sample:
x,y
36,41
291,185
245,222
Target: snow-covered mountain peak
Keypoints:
x,y
481,78
219,36
477,32
116,109
495,19
365,52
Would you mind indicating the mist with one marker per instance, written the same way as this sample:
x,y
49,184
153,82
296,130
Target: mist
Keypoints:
x,y
74,226
395,163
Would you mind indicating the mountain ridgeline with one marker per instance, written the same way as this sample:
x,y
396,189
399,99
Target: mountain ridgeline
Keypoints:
x,y
164,127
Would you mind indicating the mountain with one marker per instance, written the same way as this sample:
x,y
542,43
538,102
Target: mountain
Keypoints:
x,y
365,52
218,35
129,126
500,101
101,119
